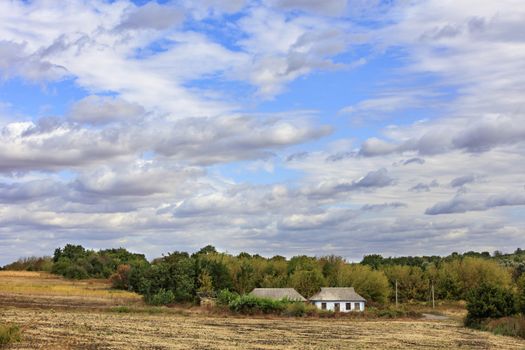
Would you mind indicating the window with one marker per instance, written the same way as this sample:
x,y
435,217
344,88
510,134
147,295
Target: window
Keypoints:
x,y
323,306
337,307
357,306
348,306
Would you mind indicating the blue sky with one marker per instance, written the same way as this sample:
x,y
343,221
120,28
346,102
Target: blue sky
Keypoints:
x,y
285,127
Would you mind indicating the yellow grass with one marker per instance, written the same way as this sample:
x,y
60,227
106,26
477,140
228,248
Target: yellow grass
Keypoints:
x,y
46,284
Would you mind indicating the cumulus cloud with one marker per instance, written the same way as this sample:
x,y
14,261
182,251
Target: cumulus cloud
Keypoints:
x,y
461,204
423,187
98,110
156,153
152,16
462,180
383,206
328,7
17,60
415,160
475,137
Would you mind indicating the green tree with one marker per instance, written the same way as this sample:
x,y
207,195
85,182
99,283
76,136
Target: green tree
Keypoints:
x,y
371,284
489,301
306,282
205,284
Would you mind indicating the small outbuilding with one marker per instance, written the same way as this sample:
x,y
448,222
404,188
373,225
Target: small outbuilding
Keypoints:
x,y
338,299
278,294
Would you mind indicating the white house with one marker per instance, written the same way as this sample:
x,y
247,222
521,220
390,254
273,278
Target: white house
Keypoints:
x,y
278,294
338,300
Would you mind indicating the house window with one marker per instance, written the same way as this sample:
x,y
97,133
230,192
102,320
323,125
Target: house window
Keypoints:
x,y
357,306
348,307
337,307
323,306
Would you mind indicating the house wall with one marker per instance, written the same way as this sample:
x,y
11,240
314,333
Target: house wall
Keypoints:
x,y
330,305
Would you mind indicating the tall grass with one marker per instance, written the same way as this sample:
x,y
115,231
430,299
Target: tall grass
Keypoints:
x,y
9,333
510,326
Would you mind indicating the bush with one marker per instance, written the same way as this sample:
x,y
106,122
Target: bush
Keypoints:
x,y
510,326
489,301
76,272
393,312
162,297
120,279
225,297
299,309
249,304
9,333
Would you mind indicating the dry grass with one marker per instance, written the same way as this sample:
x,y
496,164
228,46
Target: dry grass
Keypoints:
x,y
45,284
48,329
74,321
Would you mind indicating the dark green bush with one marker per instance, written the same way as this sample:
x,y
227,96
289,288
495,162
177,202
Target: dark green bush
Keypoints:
x,y
75,272
249,304
162,297
225,297
489,301
9,333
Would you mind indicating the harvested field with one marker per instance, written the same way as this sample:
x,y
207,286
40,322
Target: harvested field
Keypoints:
x,y
41,289
51,326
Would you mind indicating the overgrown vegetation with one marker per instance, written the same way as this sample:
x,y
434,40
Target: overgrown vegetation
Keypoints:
x,y
9,333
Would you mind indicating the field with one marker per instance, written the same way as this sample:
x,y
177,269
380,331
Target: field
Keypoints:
x,y
58,314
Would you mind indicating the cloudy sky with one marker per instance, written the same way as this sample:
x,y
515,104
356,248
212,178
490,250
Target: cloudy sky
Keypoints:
x,y
269,126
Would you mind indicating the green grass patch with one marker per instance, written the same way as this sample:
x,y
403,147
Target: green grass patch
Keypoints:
x,y
9,333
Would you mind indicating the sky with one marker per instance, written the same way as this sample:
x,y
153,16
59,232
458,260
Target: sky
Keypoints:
x,y
289,127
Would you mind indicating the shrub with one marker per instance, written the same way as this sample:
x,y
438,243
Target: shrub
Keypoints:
x,y
393,312
162,297
9,333
249,304
121,309
299,309
75,272
225,297
489,301
510,326
120,279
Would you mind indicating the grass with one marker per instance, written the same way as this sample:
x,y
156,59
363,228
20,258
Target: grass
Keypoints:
x,y
46,284
9,333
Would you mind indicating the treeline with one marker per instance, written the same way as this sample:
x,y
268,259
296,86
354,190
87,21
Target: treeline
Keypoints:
x,y
181,277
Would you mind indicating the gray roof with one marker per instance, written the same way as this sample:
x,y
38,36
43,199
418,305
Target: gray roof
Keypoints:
x,y
278,293
337,294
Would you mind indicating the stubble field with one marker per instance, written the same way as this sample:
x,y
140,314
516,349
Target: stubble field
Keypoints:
x,y
82,315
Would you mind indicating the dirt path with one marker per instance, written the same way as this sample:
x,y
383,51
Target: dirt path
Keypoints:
x,y
435,317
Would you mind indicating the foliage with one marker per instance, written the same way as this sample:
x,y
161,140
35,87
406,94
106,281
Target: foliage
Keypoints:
x,y
162,297
489,301
205,283
307,283
521,294
299,309
76,262
509,326
9,333
208,271
249,304
225,297
32,263
371,284
121,278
